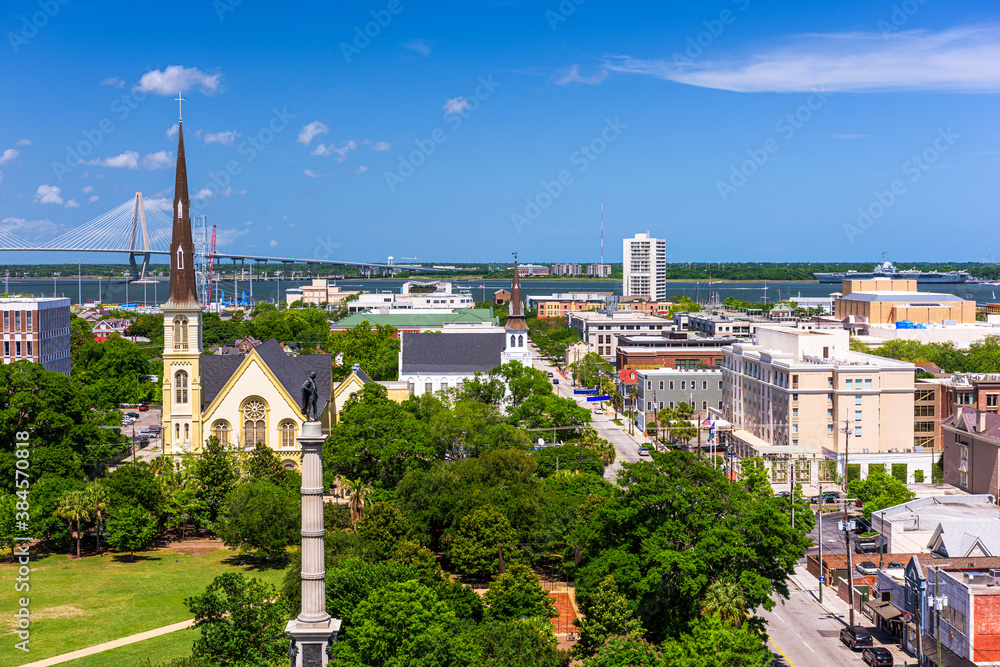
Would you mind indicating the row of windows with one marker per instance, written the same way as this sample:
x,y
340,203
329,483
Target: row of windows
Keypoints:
x,y
17,320
704,384
649,405
17,350
856,384
254,430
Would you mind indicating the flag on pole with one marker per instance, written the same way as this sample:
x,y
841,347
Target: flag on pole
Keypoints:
x,y
482,287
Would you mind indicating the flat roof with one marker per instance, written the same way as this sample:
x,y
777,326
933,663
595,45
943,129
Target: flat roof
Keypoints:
x,y
404,317
904,297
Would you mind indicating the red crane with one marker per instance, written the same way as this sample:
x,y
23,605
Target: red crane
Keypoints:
x,y
211,265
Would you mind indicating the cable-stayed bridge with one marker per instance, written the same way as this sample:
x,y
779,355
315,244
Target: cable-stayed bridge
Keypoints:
x,y
132,229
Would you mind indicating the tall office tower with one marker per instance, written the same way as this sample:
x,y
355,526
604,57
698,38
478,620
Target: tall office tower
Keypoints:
x,y
645,267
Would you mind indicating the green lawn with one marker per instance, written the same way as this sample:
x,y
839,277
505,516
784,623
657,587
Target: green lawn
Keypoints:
x,y
158,649
80,603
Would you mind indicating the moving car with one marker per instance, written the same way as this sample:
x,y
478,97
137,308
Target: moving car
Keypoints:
x,y
644,451
828,497
550,374
867,567
876,656
856,637
556,381
783,494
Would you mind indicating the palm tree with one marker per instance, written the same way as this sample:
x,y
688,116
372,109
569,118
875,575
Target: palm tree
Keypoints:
x,y
359,492
73,507
97,502
726,600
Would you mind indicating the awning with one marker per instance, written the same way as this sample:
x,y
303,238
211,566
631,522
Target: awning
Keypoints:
x,y
884,610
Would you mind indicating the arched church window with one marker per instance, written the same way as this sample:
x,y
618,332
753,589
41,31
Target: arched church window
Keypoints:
x,y
287,429
180,333
513,340
221,431
181,386
254,431
520,341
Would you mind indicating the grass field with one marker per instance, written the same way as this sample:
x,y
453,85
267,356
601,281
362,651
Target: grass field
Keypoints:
x,y
158,649
79,603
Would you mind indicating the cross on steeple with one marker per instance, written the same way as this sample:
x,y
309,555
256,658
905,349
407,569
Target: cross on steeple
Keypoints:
x,y
515,256
180,101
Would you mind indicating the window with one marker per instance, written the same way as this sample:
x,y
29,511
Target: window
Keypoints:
x,y
991,400
287,430
29,349
928,410
857,399
254,430
649,385
829,382
428,387
720,384
671,405
6,349
795,413
177,430
17,320
520,341
857,415
649,406
6,320
795,382
187,431
17,349
661,385
868,384
829,429
410,387
29,314
795,398
849,384
795,428
221,431
829,413
180,333
671,385
857,431
704,384
181,387
513,339
704,405
683,385
444,385
923,427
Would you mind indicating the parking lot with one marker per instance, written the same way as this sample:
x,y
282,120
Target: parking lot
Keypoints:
x,y
148,419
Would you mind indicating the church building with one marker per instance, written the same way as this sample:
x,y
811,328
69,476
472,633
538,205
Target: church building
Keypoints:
x,y
242,400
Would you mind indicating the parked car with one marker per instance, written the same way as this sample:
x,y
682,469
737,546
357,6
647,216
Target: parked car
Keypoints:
x,y
783,494
856,637
143,407
867,567
894,565
132,414
156,427
828,497
866,547
555,381
862,525
644,451
550,374
876,656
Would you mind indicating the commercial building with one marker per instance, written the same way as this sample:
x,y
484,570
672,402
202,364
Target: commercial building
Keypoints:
x,y
321,291
36,329
421,319
673,349
667,388
802,388
887,301
601,270
937,524
558,305
971,444
598,329
566,269
645,267
414,295
531,270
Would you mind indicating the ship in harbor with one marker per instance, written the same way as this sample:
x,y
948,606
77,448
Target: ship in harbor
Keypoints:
x,y
887,270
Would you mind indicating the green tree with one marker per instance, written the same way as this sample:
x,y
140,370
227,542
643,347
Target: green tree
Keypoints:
x,y
216,472
359,492
8,511
516,593
260,517
725,600
626,651
405,625
384,529
73,509
606,613
590,369
712,642
131,528
242,623
111,370
98,502
135,484
44,497
878,490
374,348
519,643
475,547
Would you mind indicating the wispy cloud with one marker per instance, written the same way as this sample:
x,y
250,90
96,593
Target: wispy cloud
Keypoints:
x,y
323,150
88,188
421,46
311,131
127,160
960,60
113,81
360,170
172,132
48,194
72,203
179,78
158,160
226,138
23,142
9,155
455,105
273,244
572,75
31,230
94,198
381,146
227,236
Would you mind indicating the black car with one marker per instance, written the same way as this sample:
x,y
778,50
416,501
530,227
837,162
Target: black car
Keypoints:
x,y
828,497
856,637
866,547
877,656
783,494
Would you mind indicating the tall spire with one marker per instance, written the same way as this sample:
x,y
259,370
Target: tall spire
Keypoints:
x,y
515,311
183,289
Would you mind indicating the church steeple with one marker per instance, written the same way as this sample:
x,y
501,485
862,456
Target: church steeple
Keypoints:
x,y
183,289
515,311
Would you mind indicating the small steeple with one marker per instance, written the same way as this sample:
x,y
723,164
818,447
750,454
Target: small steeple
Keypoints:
x,y
183,289
515,311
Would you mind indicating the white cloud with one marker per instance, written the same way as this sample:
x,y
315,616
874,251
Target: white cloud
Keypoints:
x,y
113,81
30,230
94,198
311,131
172,132
455,105
572,75
9,155
72,203
23,142
226,138
248,222
158,160
381,146
310,173
960,60
360,170
323,150
127,160
204,193
1,177
88,188
48,194
227,236
228,191
421,46
158,204
179,78
273,244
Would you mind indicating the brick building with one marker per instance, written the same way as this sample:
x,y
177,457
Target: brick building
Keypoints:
x,y
36,329
670,350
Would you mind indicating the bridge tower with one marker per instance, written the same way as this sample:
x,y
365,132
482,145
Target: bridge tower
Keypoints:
x,y
138,228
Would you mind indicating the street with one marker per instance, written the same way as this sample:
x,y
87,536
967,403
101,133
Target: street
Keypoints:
x,y
803,633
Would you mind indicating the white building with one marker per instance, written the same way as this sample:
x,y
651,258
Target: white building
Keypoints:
x,y
645,267
599,329
414,295
599,270
36,329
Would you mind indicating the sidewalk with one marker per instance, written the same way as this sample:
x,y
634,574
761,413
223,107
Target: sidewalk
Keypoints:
x,y
107,646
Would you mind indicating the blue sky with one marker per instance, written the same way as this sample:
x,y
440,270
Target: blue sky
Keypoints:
x,y
739,130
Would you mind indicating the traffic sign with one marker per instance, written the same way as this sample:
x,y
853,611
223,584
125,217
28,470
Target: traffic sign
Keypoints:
x,y
598,398
822,578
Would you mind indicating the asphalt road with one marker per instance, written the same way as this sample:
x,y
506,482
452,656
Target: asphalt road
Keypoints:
x,y
802,633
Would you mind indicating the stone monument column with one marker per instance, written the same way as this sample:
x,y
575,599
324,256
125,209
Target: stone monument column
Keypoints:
x,y
313,632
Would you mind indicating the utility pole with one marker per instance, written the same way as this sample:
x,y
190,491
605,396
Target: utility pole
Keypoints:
x,y
79,281
938,601
850,564
822,577
791,486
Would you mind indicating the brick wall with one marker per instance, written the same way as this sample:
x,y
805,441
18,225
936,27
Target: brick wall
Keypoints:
x,y
987,631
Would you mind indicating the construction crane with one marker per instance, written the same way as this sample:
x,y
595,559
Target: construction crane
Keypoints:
x,y
211,265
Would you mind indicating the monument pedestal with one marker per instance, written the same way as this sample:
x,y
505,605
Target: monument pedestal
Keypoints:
x,y
313,632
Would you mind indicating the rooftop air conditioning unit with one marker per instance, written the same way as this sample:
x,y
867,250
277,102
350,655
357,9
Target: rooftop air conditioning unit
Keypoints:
x,y
993,578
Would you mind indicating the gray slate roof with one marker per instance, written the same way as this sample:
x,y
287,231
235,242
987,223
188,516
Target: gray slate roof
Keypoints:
x,y
959,537
290,371
450,352
968,422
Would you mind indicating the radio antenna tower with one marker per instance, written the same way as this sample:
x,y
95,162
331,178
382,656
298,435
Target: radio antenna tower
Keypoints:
x,y
602,228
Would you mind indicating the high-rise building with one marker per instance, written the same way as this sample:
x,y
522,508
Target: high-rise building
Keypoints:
x,y
599,270
645,267
36,329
